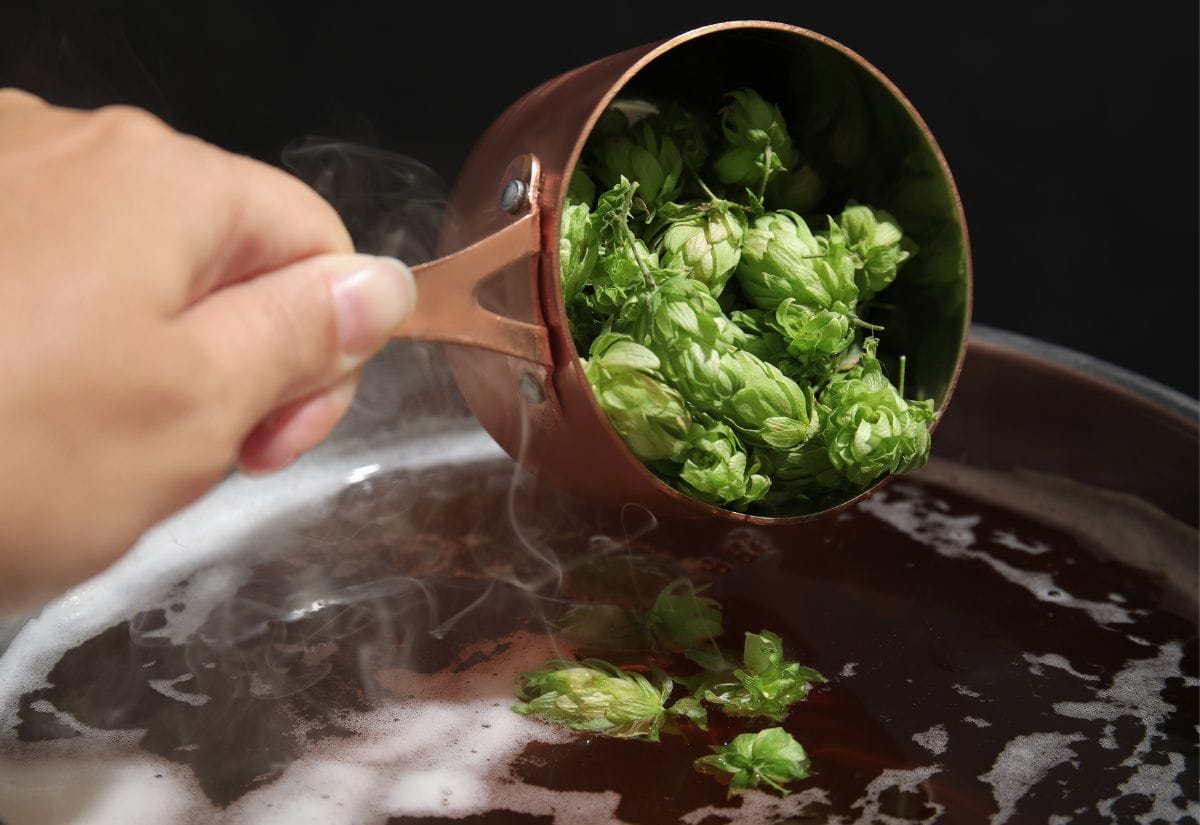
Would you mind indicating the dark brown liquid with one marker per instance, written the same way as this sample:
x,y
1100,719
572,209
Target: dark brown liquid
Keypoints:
x,y
910,639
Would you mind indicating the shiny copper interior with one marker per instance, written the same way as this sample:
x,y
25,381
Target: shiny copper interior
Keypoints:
x,y
495,297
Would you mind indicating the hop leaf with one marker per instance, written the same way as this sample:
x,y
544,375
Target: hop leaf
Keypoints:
x,y
782,258
595,696
870,429
878,245
706,244
758,141
769,757
650,416
689,707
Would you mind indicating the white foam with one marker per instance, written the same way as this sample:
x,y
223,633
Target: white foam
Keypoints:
x,y
935,740
910,511
113,738
977,722
1036,663
55,786
1009,539
848,670
1150,782
1024,762
1135,693
761,806
167,688
904,780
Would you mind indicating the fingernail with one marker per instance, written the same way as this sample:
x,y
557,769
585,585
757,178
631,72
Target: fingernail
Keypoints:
x,y
371,302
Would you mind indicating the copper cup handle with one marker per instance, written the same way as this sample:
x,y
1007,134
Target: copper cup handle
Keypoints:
x,y
448,309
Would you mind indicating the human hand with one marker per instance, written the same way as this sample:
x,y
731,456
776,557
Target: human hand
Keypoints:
x,y
166,309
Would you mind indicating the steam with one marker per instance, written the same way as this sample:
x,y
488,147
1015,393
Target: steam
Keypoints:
x,y
391,203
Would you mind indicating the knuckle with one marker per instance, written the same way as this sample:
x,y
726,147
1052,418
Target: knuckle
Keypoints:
x,y
129,122
11,97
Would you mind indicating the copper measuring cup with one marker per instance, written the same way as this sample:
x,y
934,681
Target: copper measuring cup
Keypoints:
x,y
495,296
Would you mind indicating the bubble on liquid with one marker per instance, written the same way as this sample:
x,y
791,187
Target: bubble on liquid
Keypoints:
x,y
935,739
1054,660
1009,539
1023,763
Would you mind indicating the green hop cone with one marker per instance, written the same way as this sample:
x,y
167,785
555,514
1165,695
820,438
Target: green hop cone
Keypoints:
x,y
689,130
621,274
878,245
626,267
782,258
764,341
650,416
578,249
612,123
870,429
770,757
706,245
758,142
766,685
681,617
581,188
606,629
802,475
718,469
814,337
799,190
767,408
683,325
595,696
643,156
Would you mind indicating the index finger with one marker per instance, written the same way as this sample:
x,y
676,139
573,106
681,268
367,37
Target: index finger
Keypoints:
x,y
265,219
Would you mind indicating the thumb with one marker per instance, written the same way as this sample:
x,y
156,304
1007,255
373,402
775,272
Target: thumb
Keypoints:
x,y
298,330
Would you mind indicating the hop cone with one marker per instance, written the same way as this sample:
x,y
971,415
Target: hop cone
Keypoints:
x,y
718,469
648,414
578,249
878,245
767,408
705,245
689,131
782,258
870,429
593,695
684,326
643,156
758,141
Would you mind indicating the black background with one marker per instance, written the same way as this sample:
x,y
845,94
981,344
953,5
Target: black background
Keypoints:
x,y
1071,127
